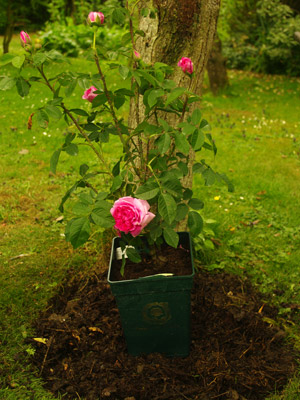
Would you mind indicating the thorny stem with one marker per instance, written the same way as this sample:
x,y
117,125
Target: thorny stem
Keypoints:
x,y
99,155
112,110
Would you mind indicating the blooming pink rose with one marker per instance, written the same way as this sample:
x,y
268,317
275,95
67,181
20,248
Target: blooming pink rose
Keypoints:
x,y
89,94
25,38
131,215
186,65
95,18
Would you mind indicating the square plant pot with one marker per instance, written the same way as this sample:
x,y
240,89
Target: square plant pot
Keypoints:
x,y
155,310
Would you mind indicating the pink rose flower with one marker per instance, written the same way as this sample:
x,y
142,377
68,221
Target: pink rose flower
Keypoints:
x,y
25,38
131,215
186,65
95,18
89,94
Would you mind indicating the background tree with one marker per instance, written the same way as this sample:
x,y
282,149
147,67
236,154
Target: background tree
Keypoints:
x,y
23,15
216,67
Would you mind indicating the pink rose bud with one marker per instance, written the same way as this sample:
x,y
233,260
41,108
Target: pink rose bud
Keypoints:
x,y
25,38
95,18
186,65
137,55
131,215
89,94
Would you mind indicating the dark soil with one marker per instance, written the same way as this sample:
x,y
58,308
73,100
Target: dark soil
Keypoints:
x,y
180,265
235,354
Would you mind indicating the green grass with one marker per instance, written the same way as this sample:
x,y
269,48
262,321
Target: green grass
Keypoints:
x,y
255,124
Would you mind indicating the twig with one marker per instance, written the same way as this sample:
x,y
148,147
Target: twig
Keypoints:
x,y
46,355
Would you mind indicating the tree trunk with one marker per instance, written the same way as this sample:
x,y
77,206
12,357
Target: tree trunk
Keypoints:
x,y
216,67
182,28
9,29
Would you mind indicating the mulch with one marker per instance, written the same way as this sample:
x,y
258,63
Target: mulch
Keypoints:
x,y
236,353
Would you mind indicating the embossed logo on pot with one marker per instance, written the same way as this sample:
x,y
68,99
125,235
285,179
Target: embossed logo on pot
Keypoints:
x,y
157,313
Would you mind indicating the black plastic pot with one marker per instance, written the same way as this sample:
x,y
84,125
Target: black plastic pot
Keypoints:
x,y
155,310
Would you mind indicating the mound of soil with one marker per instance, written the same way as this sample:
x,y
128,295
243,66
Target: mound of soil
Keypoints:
x,y
235,354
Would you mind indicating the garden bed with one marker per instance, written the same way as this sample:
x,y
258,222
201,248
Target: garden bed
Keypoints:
x,y
235,353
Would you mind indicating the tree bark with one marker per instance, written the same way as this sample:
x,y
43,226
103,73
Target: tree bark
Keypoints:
x,y
216,67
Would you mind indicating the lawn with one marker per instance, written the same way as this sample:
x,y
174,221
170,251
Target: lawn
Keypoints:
x,y
254,231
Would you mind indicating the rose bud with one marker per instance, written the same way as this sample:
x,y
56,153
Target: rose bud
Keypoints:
x,y
95,18
25,38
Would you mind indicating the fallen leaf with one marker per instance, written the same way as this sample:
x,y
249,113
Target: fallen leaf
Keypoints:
x,y
95,329
41,340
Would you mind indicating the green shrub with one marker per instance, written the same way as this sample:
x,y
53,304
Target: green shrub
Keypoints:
x,y
70,39
258,35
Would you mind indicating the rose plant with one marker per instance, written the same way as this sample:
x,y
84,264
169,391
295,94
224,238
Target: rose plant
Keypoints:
x,y
144,190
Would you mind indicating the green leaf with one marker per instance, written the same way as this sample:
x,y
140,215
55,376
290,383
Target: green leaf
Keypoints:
x,y
22,86
195,223
83,169
78,111
6,59
147,191
42,118
81,209
171,237
177,92
181,143
173,187
71,149
54,160
133,255
187,194
197,139
124,71
39,59
196,116
196,204
119,101
209,176
155,232
205,125
7,83
18,61
78,231
153,96
99,100
187,128
167,207
147,76
117,183
164,124
101,216
182,210
163,143
124,92
53,112
118,15
70,89
198,168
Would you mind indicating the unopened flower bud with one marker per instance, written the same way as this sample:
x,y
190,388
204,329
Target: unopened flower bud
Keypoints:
x,y
95,18
137,55
25,38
